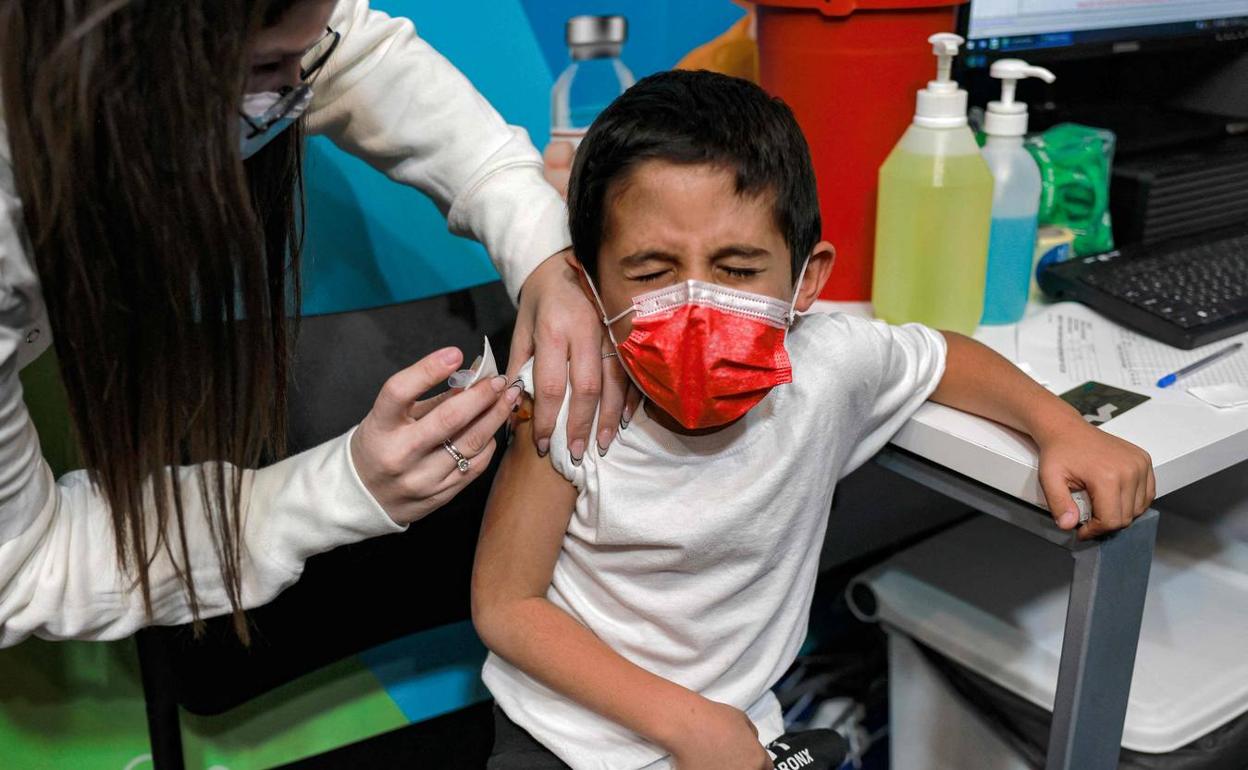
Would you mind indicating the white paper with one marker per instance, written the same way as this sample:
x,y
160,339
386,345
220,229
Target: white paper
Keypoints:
x,y
1069,344
482,368
1223,396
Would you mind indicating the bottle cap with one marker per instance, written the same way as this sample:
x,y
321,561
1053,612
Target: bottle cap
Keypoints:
x,y
596,37
942,104
1007,117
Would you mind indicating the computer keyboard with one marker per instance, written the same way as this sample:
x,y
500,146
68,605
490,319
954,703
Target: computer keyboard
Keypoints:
x,y
1185,294
1190,287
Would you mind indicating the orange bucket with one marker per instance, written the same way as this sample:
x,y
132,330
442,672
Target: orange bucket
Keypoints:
x,y
849,69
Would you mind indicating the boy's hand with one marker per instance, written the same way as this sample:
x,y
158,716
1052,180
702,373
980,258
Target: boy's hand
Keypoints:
x,y
719,737
1117,475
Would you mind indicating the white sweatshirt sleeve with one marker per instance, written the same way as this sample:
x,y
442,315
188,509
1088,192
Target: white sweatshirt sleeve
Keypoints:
x,y
59,573
391,99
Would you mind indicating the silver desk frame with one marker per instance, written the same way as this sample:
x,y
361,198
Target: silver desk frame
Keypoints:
x,y
1107,588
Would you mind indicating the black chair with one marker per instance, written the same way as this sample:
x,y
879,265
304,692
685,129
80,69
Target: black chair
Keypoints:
x,y
358,596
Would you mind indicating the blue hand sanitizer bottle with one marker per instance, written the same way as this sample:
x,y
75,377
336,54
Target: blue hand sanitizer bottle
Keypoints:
x,y
1016,196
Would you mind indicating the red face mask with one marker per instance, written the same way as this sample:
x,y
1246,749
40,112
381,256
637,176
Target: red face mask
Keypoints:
x,y
706,354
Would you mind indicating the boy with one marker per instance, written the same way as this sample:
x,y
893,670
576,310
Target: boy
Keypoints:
x,y
639,604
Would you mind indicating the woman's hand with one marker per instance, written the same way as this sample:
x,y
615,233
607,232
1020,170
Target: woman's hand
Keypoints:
x,y
719,737
1117,474
561,329
398,449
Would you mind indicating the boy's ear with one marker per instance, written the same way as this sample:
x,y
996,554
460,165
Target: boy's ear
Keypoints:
x,y
582,279
817,272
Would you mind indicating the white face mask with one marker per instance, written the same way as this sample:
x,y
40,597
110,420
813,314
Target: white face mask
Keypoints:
x,y
265,115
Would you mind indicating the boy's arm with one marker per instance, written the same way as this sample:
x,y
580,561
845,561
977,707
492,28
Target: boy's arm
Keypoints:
x,y
525,521
1117,474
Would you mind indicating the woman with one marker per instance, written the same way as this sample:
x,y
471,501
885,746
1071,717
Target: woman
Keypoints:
x,y
149,206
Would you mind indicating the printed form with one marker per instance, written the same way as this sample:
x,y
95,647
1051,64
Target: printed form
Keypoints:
x,y
1067,344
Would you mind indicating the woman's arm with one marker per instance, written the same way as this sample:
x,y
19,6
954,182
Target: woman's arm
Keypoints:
x,y
60,575
1073,455
525,521
388,97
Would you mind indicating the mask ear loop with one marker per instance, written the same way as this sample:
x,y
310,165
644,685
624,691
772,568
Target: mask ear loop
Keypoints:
x,y
608,321
602,311
801,276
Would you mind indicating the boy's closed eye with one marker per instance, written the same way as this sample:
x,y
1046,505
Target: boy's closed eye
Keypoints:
x,y
649,266
740,263
730,264
740,272
649,277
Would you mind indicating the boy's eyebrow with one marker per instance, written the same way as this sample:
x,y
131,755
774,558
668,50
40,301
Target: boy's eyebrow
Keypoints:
x,y
641,257
740,250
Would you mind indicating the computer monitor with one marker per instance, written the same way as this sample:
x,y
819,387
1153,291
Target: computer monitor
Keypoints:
x,y
1049,30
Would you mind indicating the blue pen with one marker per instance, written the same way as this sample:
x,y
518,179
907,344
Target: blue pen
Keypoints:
x,y
1170,379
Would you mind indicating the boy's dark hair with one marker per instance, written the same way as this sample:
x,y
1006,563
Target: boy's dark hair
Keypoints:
x,y
697,117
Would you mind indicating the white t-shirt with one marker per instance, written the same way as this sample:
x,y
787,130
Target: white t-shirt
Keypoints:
x,y
695,557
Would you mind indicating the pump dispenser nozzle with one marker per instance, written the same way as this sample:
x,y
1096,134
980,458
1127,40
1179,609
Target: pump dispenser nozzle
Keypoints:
x,y
945,46
1008,117
942,104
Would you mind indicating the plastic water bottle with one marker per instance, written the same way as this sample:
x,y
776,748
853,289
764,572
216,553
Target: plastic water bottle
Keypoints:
x,y
593,80
1015,198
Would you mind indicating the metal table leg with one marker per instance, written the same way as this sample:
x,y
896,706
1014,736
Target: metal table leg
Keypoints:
x,y
1107,590
1098,649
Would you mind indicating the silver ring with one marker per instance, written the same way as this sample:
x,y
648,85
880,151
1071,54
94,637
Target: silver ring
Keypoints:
x,y
461,462
612,354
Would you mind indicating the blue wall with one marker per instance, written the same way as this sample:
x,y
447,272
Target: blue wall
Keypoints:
x,y
372,242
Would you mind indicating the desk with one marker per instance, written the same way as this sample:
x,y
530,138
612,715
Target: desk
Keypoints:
x,y
994,470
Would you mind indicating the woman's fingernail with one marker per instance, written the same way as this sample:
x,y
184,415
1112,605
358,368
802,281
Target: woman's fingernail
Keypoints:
x,y
543,447
513,395
604,442
450,356
625,418
1069,519
577,451
498,383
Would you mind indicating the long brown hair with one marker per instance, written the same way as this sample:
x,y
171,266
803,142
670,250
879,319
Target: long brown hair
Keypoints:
x,y
167,264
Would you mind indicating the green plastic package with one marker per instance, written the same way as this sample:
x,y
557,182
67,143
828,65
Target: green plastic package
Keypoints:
x,y
1074,163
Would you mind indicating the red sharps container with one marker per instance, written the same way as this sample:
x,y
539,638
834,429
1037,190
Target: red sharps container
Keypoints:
x,y
849,69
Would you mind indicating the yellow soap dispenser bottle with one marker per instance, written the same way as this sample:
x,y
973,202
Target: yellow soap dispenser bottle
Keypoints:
x,y
934,212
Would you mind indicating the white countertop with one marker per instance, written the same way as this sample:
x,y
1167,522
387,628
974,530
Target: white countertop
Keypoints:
x,y
1188,440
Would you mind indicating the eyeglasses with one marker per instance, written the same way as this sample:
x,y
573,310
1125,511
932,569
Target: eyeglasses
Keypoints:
x,y
292,96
